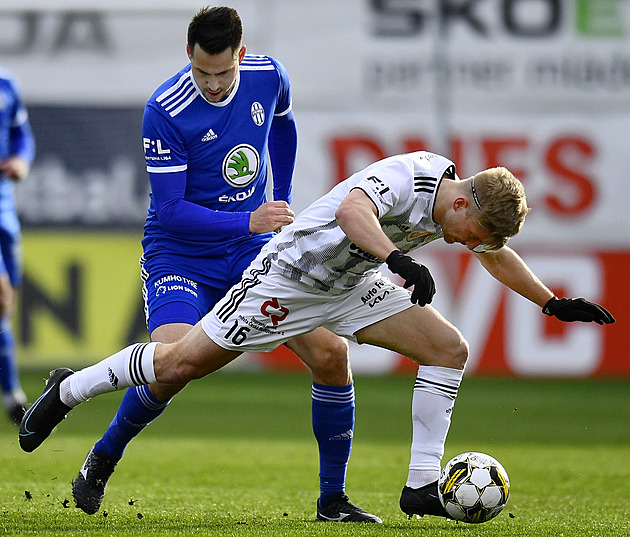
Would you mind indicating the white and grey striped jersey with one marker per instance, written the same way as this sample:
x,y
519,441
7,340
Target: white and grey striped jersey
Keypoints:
x,y
316,251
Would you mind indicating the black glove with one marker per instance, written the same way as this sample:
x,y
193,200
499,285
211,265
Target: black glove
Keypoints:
x,y
414,274
577,309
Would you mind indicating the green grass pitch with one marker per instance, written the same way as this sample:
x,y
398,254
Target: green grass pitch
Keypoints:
x,y
234,455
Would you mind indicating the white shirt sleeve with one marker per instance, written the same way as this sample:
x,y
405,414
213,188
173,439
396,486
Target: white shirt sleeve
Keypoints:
x,y
389,186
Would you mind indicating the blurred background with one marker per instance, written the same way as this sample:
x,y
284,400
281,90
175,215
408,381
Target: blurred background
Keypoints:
x,y
539,86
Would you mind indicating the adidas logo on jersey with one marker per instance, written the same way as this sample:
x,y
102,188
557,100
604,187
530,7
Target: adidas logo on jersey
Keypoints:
x,y
209,136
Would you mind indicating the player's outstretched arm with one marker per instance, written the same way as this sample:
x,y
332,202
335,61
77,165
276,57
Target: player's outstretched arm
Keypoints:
x,y
577,309
507,267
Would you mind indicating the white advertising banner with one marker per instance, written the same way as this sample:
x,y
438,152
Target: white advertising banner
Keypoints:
x,y
573,168
528,54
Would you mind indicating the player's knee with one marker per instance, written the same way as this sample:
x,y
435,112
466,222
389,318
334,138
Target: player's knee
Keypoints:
x,y
457,353
337,353
330,363
448,351
173,366
180,374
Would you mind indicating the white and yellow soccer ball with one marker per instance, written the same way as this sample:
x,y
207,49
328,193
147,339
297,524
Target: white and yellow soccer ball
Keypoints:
x,y
473,487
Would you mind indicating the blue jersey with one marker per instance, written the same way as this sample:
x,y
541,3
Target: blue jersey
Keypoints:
x,y
16,138
208,163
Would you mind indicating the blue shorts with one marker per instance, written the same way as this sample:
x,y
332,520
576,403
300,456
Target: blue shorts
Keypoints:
x,y
174,290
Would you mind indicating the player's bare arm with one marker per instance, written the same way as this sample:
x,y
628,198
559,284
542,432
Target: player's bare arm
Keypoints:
x,y
507,267
357,217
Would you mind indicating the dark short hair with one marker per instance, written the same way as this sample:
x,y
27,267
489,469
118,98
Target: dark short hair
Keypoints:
x,y
215,30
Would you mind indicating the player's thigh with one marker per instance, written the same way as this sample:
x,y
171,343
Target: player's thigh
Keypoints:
x,y
170,332
421,334
173,304
194,356
7,295
10,268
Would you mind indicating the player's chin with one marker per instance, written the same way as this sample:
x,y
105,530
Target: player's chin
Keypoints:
x,y
214,97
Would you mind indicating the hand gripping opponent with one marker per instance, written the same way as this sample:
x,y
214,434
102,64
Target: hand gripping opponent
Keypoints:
x,y
577,309
414,274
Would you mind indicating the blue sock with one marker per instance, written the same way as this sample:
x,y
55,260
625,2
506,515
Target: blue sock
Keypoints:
x,y
137,409
9,379
333,425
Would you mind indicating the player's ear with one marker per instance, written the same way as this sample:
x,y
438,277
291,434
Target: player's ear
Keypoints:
x,y
188,52
460,203
241,53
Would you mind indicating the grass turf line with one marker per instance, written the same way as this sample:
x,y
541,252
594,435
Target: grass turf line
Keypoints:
x,y
234,455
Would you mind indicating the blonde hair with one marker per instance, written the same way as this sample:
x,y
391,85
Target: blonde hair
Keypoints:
x,y
500,204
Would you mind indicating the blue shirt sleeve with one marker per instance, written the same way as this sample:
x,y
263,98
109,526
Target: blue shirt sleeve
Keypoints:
x,y
22,141
283,142
183,218
283,139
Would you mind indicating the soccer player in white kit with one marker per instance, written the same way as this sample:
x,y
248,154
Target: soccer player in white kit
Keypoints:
x,y
323,270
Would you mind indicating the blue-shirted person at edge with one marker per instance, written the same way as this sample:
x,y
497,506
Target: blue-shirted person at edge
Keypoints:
x,y
17,150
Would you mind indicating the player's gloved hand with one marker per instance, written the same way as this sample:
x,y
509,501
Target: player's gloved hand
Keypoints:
x,y
577,309
414,274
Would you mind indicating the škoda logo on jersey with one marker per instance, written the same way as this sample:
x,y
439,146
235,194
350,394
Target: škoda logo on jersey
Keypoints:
x,y
241,165
274,311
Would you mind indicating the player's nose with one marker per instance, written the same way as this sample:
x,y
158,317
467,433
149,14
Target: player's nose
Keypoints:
x,y
213,84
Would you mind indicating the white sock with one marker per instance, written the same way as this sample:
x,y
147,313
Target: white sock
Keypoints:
x,y
434,395
132,366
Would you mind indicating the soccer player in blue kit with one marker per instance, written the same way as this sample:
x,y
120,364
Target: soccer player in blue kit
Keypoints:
x,y
17,150
206,134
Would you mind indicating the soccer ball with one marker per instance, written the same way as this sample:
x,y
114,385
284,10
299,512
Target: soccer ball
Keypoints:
x,y
473,487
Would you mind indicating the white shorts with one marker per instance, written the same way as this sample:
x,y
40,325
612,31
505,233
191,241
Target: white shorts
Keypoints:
x,y
267,309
